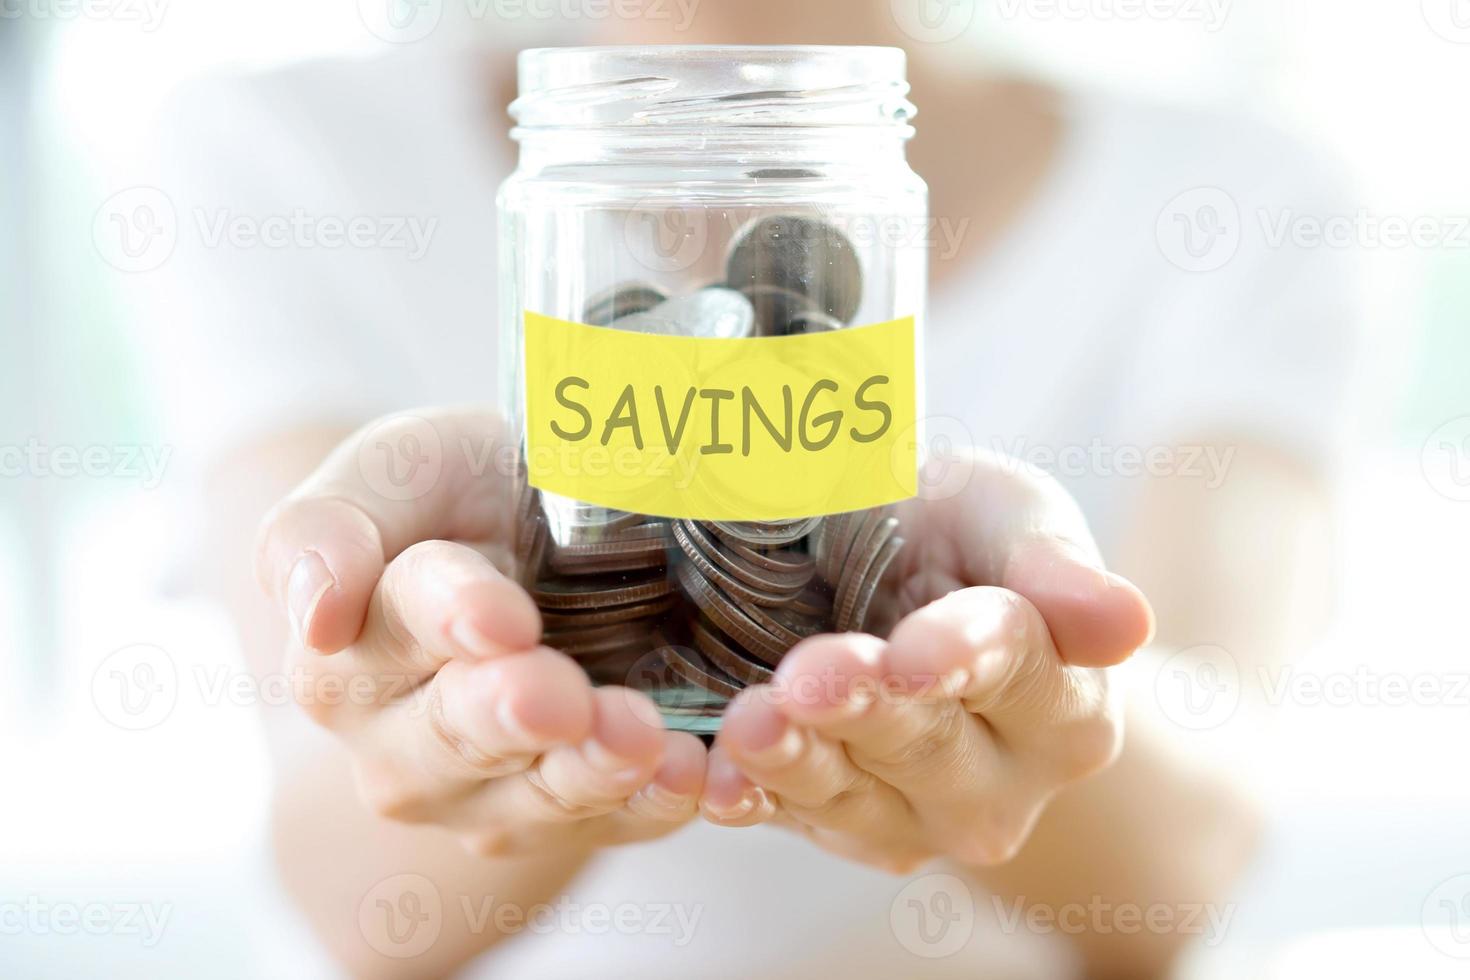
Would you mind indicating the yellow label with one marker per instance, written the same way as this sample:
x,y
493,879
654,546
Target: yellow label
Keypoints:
x,y
748,429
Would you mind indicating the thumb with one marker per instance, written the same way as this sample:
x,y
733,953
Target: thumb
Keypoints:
x,y
1097,618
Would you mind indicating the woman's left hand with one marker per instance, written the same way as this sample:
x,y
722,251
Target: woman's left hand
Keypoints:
x,y
949,738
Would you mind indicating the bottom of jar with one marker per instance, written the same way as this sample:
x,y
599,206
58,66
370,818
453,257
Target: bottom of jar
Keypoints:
x,y
690,709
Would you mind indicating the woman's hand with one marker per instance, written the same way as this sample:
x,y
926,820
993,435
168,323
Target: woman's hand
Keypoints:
x,y
423,657
988,697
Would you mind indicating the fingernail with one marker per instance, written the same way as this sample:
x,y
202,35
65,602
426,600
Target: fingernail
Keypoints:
x,y
511,725
465,633
309,581
661,798
749,802
604,760
781,752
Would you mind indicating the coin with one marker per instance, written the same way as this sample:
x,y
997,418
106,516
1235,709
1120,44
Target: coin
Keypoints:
x,y
615,549
799,253
858,618
607,615
599,592
621,300
710,568
730,617
765,534
812,321
815,601
582,522
593,640
726,655
782,576
694,668
866,547
711,312
833,541
776,308
607,564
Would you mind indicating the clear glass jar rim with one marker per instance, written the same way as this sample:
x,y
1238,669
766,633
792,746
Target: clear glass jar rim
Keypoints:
x,y
676,86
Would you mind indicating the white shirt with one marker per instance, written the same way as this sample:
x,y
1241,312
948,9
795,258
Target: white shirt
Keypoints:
x,y
1078,339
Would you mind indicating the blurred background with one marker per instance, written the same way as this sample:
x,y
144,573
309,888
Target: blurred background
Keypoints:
x,y
136,774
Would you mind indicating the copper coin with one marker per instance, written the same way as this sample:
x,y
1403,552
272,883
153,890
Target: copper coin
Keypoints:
x,y
712,571
837,551
599,592
726,655
730,617
609,564
783,580
694,668
859,616
605,616
865,551
814,602
600,639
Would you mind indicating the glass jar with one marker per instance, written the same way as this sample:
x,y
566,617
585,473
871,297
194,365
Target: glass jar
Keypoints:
x,y
712,286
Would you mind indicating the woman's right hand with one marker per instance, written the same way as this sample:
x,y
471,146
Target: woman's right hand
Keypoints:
x,y
423,656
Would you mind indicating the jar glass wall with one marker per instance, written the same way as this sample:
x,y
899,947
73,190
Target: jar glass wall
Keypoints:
x,y
708,200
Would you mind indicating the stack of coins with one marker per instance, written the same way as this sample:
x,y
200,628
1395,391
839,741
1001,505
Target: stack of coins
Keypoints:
x,y
712,605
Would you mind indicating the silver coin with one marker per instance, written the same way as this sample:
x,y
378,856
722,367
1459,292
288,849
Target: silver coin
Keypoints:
x,y
766,535
812,321
620,301
801,253
711,312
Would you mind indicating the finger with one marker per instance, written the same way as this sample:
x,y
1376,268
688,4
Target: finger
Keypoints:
x,y
1024,532
730,799
437,601
910,732
422,757
572,782
320,551
669,800
815,781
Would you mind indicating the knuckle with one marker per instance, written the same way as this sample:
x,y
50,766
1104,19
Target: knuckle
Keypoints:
x,y
550,806
835,807
930,752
